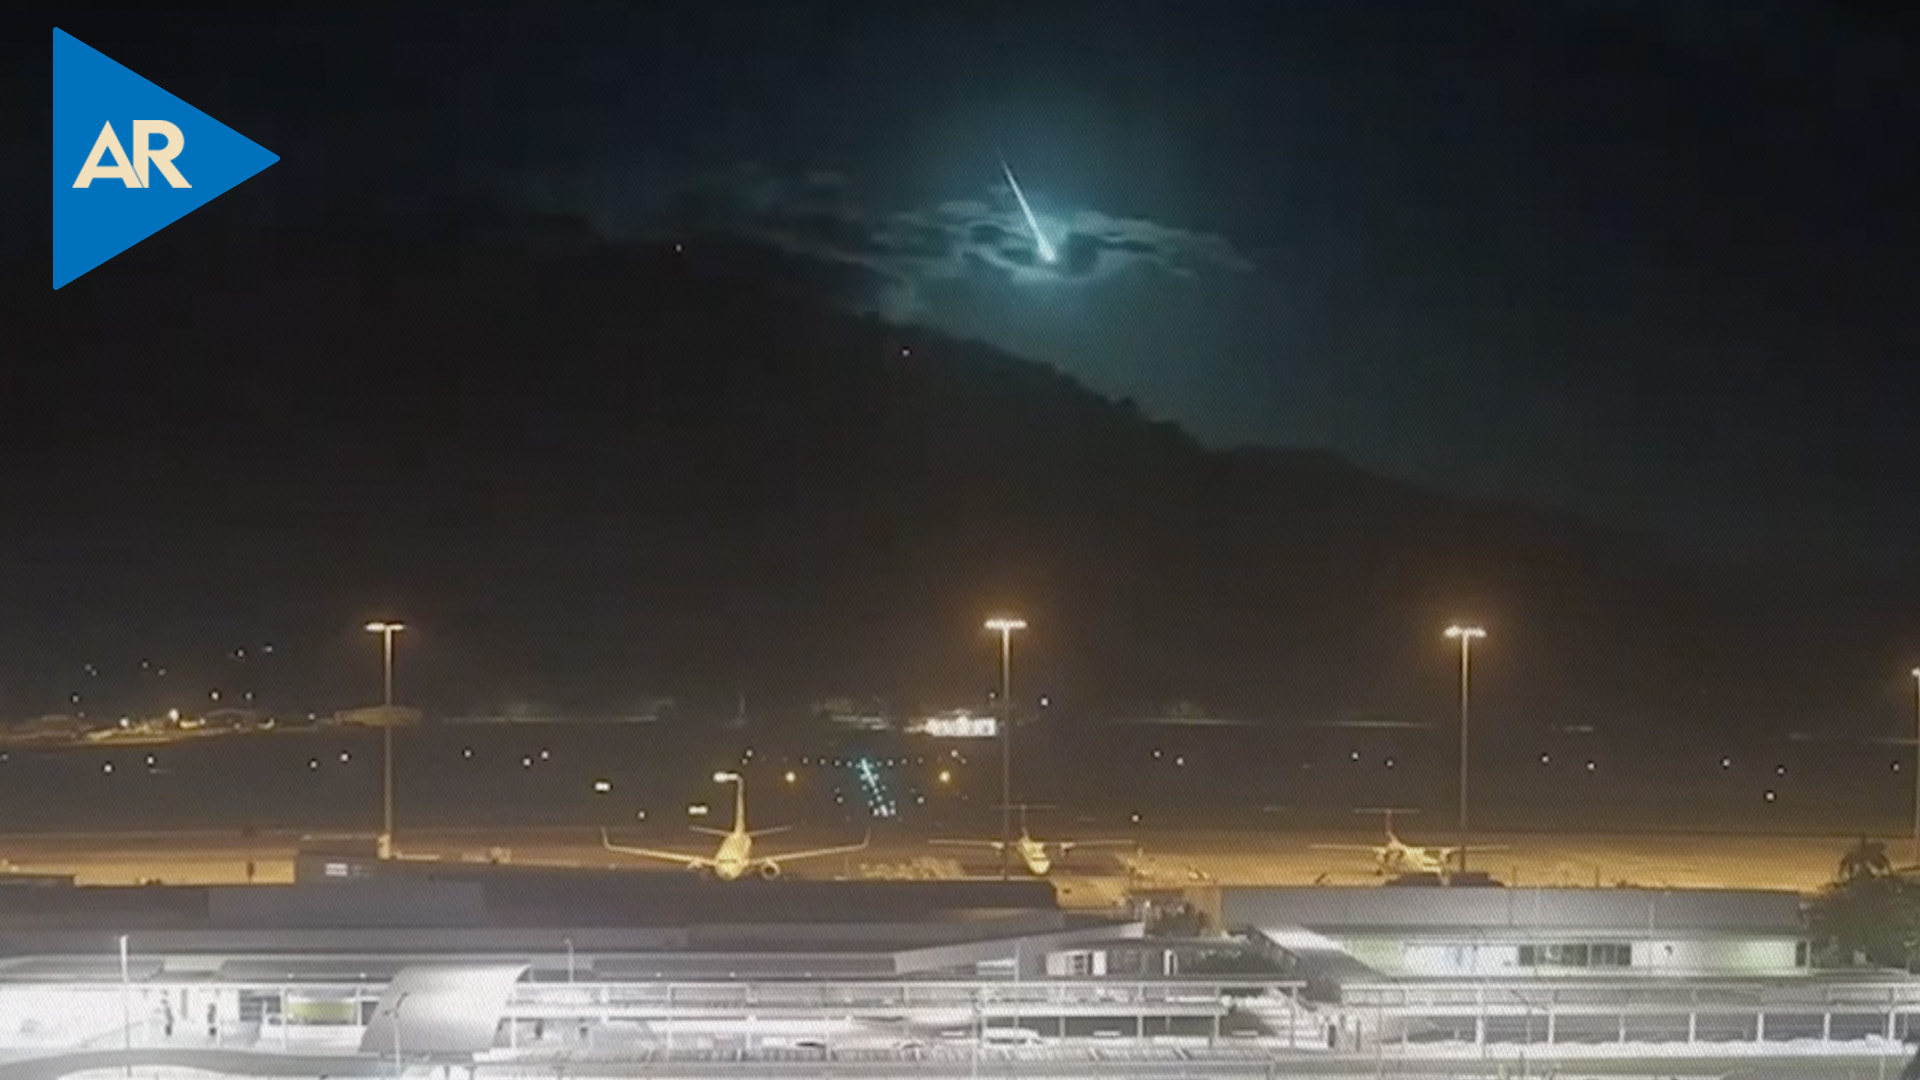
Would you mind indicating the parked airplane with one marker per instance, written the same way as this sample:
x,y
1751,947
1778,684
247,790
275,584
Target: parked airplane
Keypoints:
x,y
735,858
1396,856
1032,853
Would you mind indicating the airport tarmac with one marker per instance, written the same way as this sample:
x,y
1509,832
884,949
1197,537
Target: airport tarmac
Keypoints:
x,y
1091,877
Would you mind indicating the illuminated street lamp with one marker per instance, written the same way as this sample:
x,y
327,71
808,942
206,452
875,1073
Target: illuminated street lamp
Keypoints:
x,y
126,1003
1466,636
393,1014
1005,626
386,630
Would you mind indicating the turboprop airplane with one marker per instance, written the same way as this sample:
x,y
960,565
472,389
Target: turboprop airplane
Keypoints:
x,y
1032,853
735,858
1396,856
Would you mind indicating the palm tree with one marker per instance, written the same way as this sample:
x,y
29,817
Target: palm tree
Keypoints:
x,y
1865,861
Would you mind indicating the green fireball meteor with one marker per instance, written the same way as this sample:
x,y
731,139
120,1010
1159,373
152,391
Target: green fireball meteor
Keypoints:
x,y
1039,238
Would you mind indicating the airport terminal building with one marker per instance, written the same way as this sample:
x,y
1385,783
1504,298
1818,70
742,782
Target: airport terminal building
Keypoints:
x,y
449,964
1424,932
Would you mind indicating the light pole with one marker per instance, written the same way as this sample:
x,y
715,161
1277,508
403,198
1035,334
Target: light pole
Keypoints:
x,y
1916,764
393,1014
126,1005
386,630
1465,635
1005,626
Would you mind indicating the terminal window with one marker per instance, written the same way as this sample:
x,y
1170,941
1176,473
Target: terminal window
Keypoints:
x,y
1576,955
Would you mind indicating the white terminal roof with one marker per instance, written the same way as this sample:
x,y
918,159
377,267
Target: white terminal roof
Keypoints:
x,y
1420,911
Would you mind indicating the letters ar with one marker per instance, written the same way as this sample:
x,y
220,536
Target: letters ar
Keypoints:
x,y
134,174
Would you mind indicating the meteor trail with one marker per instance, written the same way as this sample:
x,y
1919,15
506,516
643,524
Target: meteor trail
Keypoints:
x,y
1039,238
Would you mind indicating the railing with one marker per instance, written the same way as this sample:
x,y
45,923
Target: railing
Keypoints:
x,y
1494,994
862,995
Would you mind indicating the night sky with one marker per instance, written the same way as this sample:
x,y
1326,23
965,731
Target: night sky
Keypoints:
x,y
1651,262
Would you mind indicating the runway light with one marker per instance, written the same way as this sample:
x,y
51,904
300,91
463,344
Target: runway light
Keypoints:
x,y
1779,770
1896,766
1770,795
1726,763
602,786
792,776
1135,819
1353,755
1389,763
149,761
1546,759
313,764
344,756
1591,765
106,767
1181,760
545,755
639,815
526,762
467,752
698,809
946,776
1156,754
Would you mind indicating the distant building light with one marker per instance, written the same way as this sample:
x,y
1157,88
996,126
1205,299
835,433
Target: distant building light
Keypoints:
x,y
603,786
957,726
698,809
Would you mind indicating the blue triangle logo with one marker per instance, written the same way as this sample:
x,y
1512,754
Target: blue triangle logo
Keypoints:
x,y
129,159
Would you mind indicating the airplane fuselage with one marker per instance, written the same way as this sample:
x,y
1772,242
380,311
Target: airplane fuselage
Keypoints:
x,y
735,856
1402,858
1033,855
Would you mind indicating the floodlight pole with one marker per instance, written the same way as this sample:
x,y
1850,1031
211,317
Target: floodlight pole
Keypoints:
x,y
386,630
1005,627
1465,635
1916,765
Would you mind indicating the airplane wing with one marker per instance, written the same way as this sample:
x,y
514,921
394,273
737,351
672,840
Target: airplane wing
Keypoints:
x,y
1069,845
1371,849
707,831
695,861
769,830
815,853
994,844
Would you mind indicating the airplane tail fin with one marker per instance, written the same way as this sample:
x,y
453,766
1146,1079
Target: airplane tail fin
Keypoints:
x,y
1386,813
1022,808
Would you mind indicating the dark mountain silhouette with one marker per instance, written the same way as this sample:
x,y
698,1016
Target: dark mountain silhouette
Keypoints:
x,y
589,473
